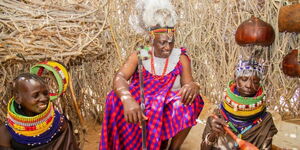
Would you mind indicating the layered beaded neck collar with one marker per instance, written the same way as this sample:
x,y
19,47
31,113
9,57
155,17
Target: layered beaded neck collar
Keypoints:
x,y
33,130
243,106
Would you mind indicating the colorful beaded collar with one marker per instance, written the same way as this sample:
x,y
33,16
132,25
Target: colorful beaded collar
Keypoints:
x,y
35,130
243,106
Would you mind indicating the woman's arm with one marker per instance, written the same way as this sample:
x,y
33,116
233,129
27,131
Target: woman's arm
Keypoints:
x,y
121,85
132,110
213,129
190,89
5,138
207,137
268,141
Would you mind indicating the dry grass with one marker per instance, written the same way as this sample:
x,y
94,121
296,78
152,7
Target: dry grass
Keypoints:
x,y
93,38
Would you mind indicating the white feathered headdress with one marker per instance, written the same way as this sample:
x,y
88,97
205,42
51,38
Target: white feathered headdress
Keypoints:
x,y
152,13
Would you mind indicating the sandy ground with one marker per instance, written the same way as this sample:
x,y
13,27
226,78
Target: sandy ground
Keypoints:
x,y
287,137
192,142
93,136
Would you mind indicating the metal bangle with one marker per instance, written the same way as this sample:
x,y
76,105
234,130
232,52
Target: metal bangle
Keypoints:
x,y
209,142
197,84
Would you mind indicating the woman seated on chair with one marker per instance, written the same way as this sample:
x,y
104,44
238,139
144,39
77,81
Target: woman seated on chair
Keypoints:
x,y
172,100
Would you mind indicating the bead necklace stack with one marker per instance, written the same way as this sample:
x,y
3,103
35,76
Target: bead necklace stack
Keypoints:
x,y
240,127
35,130
244,107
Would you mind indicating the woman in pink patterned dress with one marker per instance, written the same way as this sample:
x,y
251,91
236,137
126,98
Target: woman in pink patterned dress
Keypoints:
x,y
172,100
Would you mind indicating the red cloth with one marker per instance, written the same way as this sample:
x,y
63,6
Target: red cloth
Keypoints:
x,y
167,115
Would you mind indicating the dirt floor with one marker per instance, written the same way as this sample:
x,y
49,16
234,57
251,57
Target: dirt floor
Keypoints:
x,y
92,136
191,143
287,137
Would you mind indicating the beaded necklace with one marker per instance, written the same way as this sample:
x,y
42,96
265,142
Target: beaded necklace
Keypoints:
x,y
35,130
243,106
240,127
153,68
240,130
235,105
240,124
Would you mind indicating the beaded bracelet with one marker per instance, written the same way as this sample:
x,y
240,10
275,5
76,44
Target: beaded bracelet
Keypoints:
x,y
60,73
197,84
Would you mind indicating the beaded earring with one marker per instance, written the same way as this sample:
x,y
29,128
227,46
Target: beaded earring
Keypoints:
x,y
152,38
170,35
19,106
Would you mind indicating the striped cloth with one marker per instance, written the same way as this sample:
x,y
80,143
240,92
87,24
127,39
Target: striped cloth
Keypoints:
x,y
166,114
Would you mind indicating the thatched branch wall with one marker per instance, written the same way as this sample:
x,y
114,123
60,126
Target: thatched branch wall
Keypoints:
x,y
93,38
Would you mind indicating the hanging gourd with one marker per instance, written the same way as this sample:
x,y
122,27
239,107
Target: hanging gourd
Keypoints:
x,y
289,18
254,31
291,64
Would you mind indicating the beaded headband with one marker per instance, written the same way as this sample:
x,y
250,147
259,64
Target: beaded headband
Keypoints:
x,y
162,30
249,68
169,30
58,70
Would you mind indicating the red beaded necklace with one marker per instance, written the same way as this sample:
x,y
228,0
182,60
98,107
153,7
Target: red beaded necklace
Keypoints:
x,y
153,68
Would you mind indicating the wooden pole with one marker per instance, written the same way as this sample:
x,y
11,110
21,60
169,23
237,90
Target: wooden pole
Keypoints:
x,y
141,80
75,102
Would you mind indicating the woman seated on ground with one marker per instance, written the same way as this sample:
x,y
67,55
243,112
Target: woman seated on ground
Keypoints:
x,y
243,110
32,121
172,100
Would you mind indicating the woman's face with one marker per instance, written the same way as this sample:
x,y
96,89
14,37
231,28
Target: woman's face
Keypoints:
x,y
33,96
248,86
163,45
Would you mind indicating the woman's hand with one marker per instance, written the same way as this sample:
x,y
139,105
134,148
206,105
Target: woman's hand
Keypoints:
x,y
132,111
189,92
217,125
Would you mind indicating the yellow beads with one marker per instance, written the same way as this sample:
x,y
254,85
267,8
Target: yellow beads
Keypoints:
x,y
25,118
242,113
30,126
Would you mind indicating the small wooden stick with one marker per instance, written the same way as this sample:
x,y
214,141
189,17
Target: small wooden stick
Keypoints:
x,y
244,145
75,101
